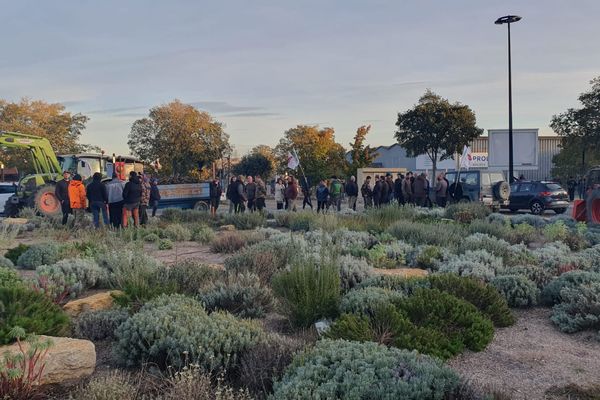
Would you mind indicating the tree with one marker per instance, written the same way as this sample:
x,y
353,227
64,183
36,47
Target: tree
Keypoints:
x,y
580,129
362,156
254,164
568,162
320,155
48,120
185,139
436,127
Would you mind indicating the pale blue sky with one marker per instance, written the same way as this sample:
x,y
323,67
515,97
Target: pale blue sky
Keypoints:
x,y
262,67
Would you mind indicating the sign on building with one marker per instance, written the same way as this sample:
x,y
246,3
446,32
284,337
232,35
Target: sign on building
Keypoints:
x,y
525,149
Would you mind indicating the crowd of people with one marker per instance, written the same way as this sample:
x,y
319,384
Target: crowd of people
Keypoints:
x,y
116,201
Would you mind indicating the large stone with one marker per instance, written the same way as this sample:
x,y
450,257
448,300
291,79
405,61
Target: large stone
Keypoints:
x,y
98,301
67,359
227,228
15,221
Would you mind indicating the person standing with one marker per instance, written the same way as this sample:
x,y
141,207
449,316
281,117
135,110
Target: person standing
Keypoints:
x,y
306,193
398,190
61,190
390,183
581,188
385,191
571,186
229,194
132,195
419,190
240,195
77,199
145,199
377,192
261,194
291,194
407,189
441,190
154,196
251,193
335,193
215,191
114,191
367,193
352,192
98,198
322,196
279,193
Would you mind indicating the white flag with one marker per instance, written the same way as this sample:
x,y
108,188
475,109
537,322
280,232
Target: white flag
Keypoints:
x,y
465,159
293,161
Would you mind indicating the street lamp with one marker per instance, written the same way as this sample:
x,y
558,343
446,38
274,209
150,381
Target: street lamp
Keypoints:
x,y
509,19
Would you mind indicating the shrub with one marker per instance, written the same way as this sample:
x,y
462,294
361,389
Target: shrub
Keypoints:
x,y
353,271
242,295
266,363
518,290
556,231
302,221
374,372
534,220
99,325
84,271
202,234
39,254
424,257
152,238
229,242
191,276
309,290
467,212
500,231
535,273
179,215
165,244
14,253
192,383
246,221
572,279
485,297
524,233
367,300
177,233
263,259
112,386
418,233
6,263
29,310
172,329
579,308
396,282
483,241
476,263
388,255
9,277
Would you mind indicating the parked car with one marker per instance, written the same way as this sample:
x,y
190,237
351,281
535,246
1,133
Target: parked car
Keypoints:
x,y
488,187
7,189
538,196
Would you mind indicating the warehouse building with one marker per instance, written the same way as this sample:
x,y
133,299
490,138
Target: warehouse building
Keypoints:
x,y
394,156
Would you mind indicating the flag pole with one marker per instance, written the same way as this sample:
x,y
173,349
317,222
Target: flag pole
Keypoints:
x,y
300,165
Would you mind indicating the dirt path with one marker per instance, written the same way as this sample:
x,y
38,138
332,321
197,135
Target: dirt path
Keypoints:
x,y
525,360
185,251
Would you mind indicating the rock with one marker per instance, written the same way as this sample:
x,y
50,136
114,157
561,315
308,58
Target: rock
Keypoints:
x,y
15,221
67,359
99,301
227,228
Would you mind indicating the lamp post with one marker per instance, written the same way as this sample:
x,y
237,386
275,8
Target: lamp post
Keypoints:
x,y
509,19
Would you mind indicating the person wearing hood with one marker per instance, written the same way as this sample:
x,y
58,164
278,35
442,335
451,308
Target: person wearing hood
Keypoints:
x,y
61,191
114,190
145,199
98,198
132,195
215,191
420,190
77,199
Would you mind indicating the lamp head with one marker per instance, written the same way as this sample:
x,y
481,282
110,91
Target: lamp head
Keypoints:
x,y
508,19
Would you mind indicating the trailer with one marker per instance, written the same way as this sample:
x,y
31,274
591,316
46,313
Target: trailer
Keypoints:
x,y
185,196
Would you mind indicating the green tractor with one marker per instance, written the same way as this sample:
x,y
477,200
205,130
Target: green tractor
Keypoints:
x,y
37,190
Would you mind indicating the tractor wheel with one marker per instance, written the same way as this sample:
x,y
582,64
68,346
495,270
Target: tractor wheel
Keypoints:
x,y
44,201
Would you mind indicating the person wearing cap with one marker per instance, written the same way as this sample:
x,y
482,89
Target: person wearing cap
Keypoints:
x,y
61,190
77,199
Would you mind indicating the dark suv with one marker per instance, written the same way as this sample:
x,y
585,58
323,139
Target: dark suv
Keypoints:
x,y
488,187
538,196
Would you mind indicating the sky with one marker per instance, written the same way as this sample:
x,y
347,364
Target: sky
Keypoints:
x,y
262,67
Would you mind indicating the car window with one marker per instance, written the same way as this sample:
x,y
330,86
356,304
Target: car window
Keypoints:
x,y
451,176
7,189
526,187
496,177
485,180
514,188
553,186
469,178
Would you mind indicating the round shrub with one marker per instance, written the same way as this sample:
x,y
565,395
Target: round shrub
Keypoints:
x,y
83,270
424,257
339,369
353,271
535,273
151,238
517,290
177,233
9,277
32,311
467,212
579,309
202,234
396,282
242,295
229,242
165,244
476,263
39,254
245,221
572,279
389,255
14,253
112,386
367,300
6,263
171,330
99,325
191,276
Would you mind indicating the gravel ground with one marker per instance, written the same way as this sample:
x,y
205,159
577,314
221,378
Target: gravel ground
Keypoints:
x,y
527,359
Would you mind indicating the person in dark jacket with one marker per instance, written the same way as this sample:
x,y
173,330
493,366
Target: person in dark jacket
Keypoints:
x,y
398,190
367,193
132,195
306,194
420,190
322,196
261,194
385,192
154,196
352,193
251,193
229,194
215,196
571,186
239,195
291,193
390,182
98,198
114,189
377,192
61,190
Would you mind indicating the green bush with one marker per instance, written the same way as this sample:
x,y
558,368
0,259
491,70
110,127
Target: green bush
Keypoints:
x,y
84,271
229,242
116,385
397,283
177,233
579,309
390,255
165,244
483,241
485,297
9,277
419,233
151,238
39,254
467,212
535,273
572,279
171,330
245,221
6,263
367,300
518,290
263,259
353,271
192,276
179,215
476,263
202,234
99,325
14,253
339,369
556,231
32,311
242,295
309,290
524,233
425,257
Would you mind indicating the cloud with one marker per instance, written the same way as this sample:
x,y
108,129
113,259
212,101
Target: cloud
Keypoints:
x,y
254,114
116,110
222,107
